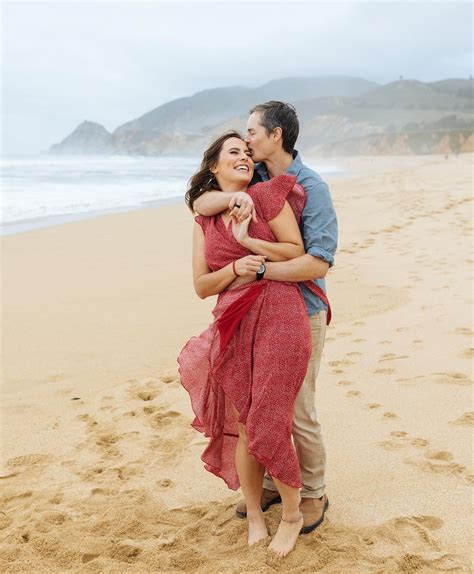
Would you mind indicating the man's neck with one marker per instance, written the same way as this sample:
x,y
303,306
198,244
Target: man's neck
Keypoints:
x,y
278,163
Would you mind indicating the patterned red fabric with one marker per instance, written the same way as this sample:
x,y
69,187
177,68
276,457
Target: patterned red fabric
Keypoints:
x,y
258,369
228,322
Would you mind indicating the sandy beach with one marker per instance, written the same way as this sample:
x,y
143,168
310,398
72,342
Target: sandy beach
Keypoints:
x,y
101,469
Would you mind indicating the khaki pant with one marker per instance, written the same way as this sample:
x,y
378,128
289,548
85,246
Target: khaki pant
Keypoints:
x,y
306,428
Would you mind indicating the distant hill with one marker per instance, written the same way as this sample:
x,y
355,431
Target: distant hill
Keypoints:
x,y
338,114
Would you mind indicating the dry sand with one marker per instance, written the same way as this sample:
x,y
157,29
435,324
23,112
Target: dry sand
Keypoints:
x,y
101,469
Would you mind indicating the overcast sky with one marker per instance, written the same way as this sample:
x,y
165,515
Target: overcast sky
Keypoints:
x,y
110,62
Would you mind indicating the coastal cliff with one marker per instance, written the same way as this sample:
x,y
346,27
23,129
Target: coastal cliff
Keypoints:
x,y
338,115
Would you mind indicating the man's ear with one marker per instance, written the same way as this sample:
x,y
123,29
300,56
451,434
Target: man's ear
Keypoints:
x,y
277,134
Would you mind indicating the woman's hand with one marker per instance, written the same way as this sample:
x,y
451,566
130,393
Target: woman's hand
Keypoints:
x,y
241,206
241,230
249,265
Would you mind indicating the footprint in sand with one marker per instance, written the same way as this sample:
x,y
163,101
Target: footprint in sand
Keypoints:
x,y
57,498
91,422
344,383
374,405
100,435
359,340
391,357
435,461
390,415
171,380
359,323
468,353
353,393
401,439
419,442
165,419
464,331
147,395
129,470
439,455
353,353
441,466
385,370
452,378
106,441
164,483
341,362
465,420
399,434
29,460
385,342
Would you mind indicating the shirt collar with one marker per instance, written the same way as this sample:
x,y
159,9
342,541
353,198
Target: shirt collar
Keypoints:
x,y
296,164
294,168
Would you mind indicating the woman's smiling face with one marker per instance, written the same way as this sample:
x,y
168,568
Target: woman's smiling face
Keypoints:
x,y
234,168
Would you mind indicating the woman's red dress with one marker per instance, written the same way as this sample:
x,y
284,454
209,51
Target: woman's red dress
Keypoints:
x,y
255,354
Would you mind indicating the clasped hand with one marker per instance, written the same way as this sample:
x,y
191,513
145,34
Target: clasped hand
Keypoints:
x,y
242,211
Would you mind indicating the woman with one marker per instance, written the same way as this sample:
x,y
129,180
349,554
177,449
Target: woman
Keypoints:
x,y
243,373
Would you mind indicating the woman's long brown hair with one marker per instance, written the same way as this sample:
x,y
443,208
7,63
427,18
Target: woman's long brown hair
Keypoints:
x,y
204,179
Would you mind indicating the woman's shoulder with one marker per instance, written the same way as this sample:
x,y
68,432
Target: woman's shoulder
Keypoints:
x,y
202,220
283,183
270,196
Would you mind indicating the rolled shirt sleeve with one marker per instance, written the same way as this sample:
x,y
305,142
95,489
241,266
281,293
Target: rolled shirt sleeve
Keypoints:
x,y
319,221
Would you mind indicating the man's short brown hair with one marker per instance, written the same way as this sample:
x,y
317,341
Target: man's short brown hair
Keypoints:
x,y
276,114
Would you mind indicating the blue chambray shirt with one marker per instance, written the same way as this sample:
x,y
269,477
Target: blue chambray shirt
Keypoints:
x,y
318,221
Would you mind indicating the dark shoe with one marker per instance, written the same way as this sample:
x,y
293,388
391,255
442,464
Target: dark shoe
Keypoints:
x,y
313,510
269,497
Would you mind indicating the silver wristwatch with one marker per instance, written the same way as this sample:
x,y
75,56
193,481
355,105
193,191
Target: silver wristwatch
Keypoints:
x,y
261,271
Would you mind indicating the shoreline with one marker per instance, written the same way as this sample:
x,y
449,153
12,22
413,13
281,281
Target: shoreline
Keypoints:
x,y
36,223
352,168
30,224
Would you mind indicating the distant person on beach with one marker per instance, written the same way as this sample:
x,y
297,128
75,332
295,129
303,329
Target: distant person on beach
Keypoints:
x,y
272,131
244,372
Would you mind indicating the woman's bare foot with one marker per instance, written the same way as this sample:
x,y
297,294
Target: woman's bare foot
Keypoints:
x,y
257,528
286,536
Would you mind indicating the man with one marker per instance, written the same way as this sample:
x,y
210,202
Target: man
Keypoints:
x,y
272,131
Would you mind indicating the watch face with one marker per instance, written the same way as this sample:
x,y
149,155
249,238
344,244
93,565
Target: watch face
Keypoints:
x,y
262,268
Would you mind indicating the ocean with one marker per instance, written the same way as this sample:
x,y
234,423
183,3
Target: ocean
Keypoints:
x,y
50,190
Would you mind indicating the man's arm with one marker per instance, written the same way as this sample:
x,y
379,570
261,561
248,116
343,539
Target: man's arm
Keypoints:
x,y
319,225
319,221
214,202
298,269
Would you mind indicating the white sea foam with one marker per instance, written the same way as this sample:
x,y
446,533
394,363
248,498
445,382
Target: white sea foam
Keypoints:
x,y
46,190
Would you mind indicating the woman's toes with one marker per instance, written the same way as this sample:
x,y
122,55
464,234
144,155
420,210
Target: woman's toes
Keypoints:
x,y
285,538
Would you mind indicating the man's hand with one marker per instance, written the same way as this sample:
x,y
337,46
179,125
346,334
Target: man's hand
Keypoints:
x,y
249,265
241,206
